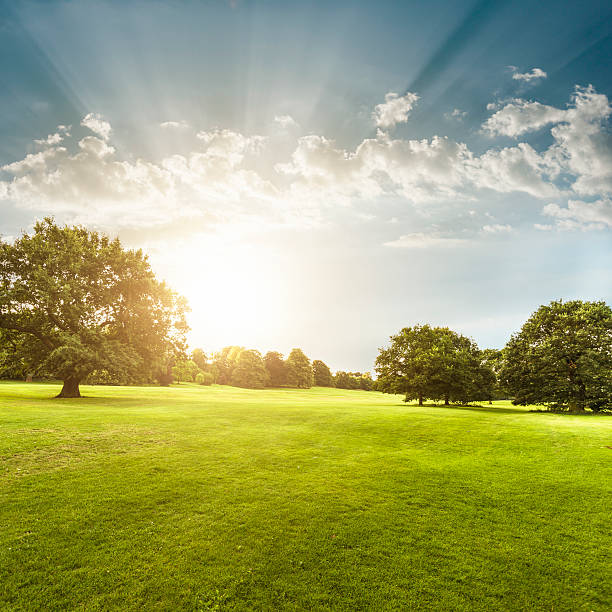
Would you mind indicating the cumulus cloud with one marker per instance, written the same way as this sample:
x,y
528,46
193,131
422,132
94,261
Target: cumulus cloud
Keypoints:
x,y
98,125
535,74
457,114
496,229
286,121
418,170
582,146
519,168
229,175
174,124
419,240
51,139
519,117
94,186
581,215
395,109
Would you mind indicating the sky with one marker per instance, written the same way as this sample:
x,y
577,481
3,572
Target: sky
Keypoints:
x,y
322,174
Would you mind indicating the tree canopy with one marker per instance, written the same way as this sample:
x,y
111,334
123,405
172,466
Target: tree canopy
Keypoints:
x,y
434,363
562,357
250,371
73,301
322,374
276,367
299,370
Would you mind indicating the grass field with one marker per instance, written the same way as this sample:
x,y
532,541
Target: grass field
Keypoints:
x,y
220,498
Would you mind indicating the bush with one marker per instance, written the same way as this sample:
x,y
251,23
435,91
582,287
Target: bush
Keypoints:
x,y
204,378
165,379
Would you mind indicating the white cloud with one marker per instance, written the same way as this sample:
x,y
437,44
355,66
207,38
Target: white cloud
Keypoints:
x,y
519,168
420,240
230,176
536,73
51,139
457,114
174,124
286,121
497,229
96,187
395,109
520,117
96,146
98,125
582,146
581,215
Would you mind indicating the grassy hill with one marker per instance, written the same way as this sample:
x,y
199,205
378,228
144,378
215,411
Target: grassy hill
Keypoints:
x,y
220,498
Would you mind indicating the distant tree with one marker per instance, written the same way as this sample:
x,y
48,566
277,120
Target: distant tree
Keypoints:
x,y
299,370
322,374
74,301
407,365
185,370
435,363
365,382
342,380
204,378
276,368
562,357
459,371
199,357
492,362
225,362
250,371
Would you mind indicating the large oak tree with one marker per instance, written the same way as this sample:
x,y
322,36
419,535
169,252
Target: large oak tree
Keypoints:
x,y
562,357
436,363
74,301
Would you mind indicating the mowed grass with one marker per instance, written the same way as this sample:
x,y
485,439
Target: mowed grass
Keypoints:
x,y
194,498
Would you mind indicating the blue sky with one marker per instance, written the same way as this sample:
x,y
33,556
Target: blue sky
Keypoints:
x,y
320,174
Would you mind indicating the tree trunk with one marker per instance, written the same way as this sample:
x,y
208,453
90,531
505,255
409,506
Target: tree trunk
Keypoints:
x,y
575,406
446,400
420,400
70,388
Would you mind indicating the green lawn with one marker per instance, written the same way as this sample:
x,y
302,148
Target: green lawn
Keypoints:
x,y
220,498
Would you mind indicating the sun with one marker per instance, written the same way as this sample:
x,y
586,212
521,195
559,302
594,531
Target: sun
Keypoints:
x,y
237,294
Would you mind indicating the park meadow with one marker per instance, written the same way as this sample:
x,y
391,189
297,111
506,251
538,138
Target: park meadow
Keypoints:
x,y
219,498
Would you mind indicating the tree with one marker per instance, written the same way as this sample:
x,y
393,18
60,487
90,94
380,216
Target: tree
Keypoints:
x,y
225,362
365,382
205,378
342,380
562,357
11,362
199,357
492,362
276,367
250,371
299,370
407,366
322,374
435,363
185,370
74,301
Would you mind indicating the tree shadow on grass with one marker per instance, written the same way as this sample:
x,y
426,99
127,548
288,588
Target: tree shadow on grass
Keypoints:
x,y
475,408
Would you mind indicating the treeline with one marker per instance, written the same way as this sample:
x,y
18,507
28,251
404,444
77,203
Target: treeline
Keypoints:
x,y
241,367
